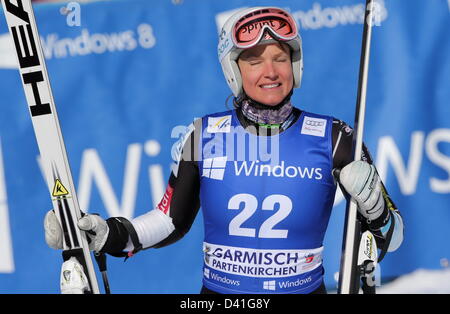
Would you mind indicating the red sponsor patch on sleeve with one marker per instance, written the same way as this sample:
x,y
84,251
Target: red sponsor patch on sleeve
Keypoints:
x,y
164,205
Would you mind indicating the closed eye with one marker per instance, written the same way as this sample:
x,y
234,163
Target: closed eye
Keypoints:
x,y
281,59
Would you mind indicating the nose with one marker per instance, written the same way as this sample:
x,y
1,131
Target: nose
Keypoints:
x,y
270,71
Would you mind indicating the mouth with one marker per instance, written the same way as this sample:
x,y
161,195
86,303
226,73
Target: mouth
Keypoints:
x,y
270,86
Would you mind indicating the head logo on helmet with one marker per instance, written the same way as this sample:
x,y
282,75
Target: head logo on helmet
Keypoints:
x,y
250,27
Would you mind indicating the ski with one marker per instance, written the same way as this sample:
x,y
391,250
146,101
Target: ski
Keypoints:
x,y
22,27
349,274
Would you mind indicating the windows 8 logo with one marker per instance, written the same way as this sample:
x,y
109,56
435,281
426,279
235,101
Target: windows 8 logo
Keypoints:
x,y
269,285
214,168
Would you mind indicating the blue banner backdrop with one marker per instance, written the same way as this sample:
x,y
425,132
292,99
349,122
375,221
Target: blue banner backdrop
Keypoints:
x,y
127,76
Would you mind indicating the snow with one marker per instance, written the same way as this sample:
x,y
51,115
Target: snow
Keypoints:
x,y
421,281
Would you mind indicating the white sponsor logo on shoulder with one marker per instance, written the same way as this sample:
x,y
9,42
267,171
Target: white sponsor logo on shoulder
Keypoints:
x,y
314,126
219,124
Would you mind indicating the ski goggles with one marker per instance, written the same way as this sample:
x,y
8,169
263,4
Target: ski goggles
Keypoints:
x,y
249,30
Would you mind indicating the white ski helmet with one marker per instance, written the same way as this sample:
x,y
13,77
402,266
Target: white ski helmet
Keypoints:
x,y
250,27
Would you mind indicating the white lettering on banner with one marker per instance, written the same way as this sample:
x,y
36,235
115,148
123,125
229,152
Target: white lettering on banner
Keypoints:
x,y
260,263
407,176
98,43
6,251
434,138
92,170
331,17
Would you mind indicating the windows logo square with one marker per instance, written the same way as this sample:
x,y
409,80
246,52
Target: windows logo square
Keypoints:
x,y
269,285
214,168
206,273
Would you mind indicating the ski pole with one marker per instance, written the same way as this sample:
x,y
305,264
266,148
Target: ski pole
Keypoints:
x,y
101,262
348,275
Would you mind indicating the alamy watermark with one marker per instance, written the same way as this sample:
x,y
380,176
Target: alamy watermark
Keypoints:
x,y
72,10
221,139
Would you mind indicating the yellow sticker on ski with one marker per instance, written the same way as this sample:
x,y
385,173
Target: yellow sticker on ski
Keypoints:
x,y
59,189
